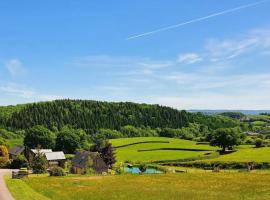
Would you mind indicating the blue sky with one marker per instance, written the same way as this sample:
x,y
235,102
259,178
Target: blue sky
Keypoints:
x,y
80,50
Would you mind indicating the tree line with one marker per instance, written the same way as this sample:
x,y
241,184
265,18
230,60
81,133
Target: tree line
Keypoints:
x,y
94,115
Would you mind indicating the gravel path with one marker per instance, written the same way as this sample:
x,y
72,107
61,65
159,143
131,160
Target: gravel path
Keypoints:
x,y
4,193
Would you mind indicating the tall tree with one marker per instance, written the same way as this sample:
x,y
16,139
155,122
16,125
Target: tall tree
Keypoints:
x,y
226,138
67,140
108,155
39,136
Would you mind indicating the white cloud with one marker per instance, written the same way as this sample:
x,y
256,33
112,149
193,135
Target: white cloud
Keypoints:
x,y
15,67
256,40
25,92
189,58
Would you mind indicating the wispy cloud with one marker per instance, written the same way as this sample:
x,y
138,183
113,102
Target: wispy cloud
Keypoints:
x,y
256,40
15,67
19,90
189,58
198,19
122,65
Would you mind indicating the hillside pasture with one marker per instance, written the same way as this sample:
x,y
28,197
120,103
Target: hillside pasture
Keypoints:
x,y
152,149
250,154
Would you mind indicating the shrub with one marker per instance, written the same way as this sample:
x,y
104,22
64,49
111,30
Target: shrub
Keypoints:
x,y
259,143
249,140
142,167
57,171
39,163
19,162
119,168
4,157
2,141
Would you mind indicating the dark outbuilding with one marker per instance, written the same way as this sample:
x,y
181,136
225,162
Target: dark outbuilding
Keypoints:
x,y
84,160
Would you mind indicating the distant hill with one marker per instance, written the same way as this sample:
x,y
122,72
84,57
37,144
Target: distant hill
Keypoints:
x,y
93,115
246,112
87,114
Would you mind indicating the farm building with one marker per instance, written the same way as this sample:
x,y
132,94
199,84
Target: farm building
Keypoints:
x,y
55,158
84,160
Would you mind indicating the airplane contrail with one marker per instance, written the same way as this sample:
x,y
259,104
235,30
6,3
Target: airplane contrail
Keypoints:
x,y
197,19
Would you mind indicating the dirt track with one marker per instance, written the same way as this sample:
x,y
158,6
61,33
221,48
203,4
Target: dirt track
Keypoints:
x,y
4,193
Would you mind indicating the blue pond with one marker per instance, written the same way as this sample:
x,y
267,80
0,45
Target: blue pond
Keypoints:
x,y
135,170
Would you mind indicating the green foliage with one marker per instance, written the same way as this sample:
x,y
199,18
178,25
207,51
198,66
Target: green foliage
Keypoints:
x,y
3,156
234,115
110,134
95,115
226,138
2,141
68,140
8,134
39,163
259,143
142,167
215,121
56,171
19,162
39,136
99,142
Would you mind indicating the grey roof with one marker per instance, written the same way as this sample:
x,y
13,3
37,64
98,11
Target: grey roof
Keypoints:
x,y
41,150
16,150
58,155
81,158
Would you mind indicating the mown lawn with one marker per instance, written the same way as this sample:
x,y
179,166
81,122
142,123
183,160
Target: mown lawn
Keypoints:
x,y
157,149
198,186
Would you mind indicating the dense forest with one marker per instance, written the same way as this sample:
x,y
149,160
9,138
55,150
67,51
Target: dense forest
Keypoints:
x,y
86,114
92,115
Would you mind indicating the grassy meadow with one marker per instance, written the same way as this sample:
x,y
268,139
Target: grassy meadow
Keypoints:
x,y
203,186
250,154
150,149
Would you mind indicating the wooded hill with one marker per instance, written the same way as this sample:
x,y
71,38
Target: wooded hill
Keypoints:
x,y
87,114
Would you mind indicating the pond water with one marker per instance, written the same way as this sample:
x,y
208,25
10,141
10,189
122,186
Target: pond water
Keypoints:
x,y
136,170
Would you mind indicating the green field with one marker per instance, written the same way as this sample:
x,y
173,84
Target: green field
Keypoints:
x,y
246,155
169,149
149,149
199,186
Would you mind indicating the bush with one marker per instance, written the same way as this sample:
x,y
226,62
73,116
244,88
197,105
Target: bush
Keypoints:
x,y
57,171
119,168
259,143
2,141
249,140
4,157
19,162
39,163
142,167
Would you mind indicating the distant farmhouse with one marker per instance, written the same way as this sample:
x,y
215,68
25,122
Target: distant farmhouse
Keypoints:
x,y
53,158
84,160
